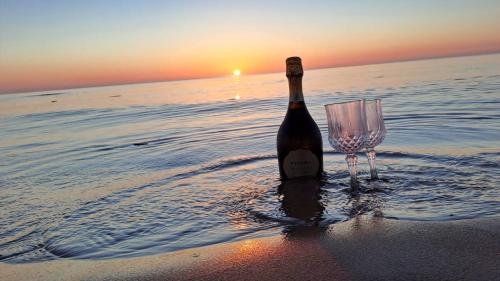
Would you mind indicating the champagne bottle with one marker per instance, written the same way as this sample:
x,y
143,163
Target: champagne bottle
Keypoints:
x,y
299,143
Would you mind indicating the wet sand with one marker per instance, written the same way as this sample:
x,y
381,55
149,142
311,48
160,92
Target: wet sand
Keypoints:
x,y
360,249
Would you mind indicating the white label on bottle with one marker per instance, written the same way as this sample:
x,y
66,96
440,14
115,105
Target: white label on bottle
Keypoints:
x,y
300,163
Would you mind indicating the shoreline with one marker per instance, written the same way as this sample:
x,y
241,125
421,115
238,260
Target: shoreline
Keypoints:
x,y
360,249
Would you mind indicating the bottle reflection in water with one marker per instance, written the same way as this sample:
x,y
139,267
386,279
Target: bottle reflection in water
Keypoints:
x,y
301,199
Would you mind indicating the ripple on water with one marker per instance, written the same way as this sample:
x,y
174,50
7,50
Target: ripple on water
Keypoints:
x,y
119,177
234,198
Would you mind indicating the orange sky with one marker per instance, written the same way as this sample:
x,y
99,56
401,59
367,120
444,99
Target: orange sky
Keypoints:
x,y
58,47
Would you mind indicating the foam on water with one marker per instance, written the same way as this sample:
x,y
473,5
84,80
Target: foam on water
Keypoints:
x,y
142,169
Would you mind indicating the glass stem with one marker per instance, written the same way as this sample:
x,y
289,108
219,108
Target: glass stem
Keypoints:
x,y
352,164
370,154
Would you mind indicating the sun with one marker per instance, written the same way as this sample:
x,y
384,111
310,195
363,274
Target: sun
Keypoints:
x,y
236,72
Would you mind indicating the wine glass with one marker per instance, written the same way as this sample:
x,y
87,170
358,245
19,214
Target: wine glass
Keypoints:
x,y
376,132
347,132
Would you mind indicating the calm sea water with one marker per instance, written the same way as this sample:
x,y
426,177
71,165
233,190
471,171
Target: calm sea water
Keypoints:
x,y
143,169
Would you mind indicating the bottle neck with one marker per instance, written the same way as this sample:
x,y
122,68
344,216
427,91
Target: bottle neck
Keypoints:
x,y
295,88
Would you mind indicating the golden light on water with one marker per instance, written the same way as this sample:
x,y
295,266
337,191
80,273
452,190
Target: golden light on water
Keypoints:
x,y
236,74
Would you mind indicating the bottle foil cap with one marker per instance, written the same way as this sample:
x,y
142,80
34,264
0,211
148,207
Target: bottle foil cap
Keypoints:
x,y
294,67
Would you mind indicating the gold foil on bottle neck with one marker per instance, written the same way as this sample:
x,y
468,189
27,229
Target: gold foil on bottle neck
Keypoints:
x,y
294,67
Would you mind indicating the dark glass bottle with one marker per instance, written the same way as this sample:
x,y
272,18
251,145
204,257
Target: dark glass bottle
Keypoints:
x,y
300,147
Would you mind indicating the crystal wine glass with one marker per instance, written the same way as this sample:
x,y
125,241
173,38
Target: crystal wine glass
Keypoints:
x,y
347,132
376,132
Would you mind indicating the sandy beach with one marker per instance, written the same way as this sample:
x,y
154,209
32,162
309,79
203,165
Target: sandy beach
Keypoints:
x,y
360,249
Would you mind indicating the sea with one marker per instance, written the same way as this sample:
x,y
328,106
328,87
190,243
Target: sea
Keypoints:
x,y
142,169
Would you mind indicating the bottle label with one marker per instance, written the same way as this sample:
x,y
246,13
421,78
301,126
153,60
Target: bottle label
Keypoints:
x,y
300,163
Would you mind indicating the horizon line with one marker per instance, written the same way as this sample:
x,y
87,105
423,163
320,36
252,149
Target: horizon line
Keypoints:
x,y
467,54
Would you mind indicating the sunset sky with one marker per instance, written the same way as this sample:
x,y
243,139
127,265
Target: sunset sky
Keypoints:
x,y
64,44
